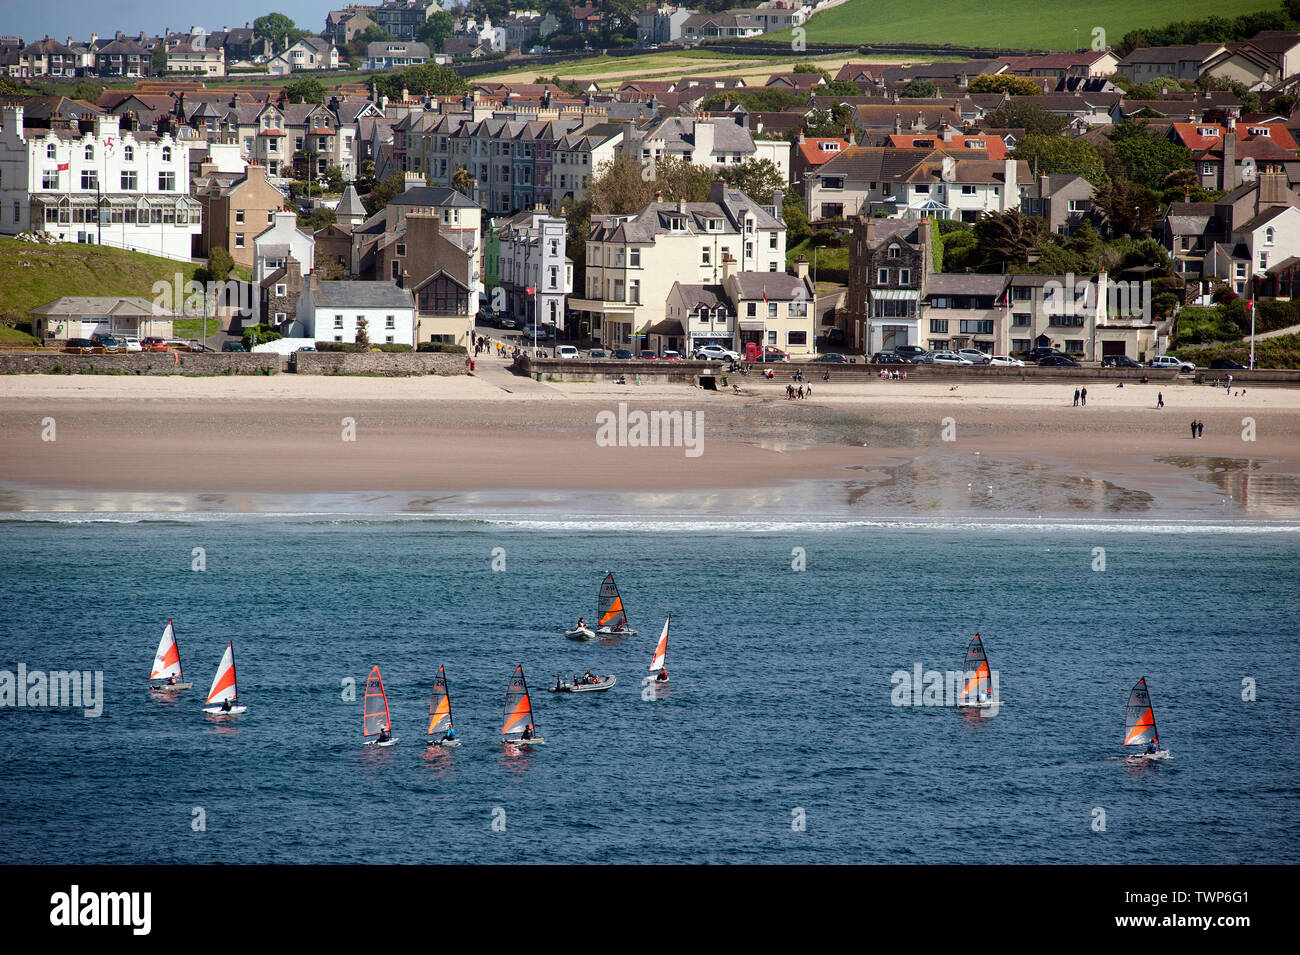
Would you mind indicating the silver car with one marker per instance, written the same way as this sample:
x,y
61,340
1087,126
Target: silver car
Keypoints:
x,y
974,356
949,358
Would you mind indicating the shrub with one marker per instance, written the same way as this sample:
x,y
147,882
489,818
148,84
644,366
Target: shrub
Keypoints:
x,y
442,347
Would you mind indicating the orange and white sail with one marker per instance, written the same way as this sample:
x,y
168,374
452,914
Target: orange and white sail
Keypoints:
x,y
375,706
661,651
439,705
167,661
223,684
978,686
519,708
1140,717
609,605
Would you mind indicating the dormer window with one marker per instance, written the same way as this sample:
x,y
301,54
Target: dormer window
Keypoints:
x,y
895,252
1210,131
1258,130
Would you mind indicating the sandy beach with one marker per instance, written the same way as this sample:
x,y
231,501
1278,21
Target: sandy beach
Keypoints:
x,y
918,447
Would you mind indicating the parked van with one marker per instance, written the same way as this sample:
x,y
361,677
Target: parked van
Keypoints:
x,y
566,351
1169,361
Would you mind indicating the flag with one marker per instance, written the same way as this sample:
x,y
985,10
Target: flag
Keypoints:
x,y
1251,304
531,290
764,294
63,167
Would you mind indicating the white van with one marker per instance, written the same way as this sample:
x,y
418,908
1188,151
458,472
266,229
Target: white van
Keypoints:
x,y
566,351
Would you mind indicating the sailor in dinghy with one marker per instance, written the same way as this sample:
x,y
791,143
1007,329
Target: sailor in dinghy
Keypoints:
x,y
167,664
375,720
1140,724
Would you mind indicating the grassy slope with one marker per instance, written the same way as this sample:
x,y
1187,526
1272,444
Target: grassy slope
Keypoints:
x,y
32,274
1027,24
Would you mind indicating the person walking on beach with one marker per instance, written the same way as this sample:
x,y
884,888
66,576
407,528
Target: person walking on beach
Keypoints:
x,y
1200,429
1083,397
1193,429
1076,397
1160,399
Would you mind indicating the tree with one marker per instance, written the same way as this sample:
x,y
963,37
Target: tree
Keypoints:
x,y
1055,154
1009,237
756,178
220,265
158,61
463,181
90,92
319,219
833,124
275,27
307,89
1015,85
1131,207
919,89
428,79
435,29
1147,158
363,335
810,68
9,88
838,88
1028,116
383,191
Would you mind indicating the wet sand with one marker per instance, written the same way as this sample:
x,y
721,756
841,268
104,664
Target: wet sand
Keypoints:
x,y
875,447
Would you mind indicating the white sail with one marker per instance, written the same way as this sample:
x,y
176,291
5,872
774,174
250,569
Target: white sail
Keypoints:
x,y
223,684
661,651
167,661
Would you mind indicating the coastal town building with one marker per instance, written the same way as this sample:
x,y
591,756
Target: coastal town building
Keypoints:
x,y
236,208
85,316
102,186
308,53
633,260
274,245
534,273
890,260
337,311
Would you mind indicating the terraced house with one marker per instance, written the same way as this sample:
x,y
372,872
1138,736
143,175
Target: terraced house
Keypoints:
x,y
633,260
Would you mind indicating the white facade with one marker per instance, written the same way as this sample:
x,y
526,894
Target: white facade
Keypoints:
x,y
333,311
280,240
532,255
103,187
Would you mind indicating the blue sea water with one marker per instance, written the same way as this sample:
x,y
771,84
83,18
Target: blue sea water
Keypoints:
x,y
779,707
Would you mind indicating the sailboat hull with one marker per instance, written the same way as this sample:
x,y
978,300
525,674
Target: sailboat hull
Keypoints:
x,y
986,705
169,687
524,743
604,684
606,632
448,743
375,742
218,711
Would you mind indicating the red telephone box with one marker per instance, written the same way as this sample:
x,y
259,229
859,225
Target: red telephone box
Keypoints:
x,y
751,351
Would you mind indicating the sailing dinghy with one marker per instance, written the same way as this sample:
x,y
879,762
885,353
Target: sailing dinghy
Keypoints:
x,y
977,691
658,673
611,618
375,720
581,685
518,727
1140,723
167,663
440,713
223,692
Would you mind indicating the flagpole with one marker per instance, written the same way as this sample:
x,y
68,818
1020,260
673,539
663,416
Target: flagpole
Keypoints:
x,y
1252,333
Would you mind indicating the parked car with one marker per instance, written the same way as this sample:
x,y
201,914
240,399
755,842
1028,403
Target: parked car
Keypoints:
x,y
1058,361
107,342
1006,361
233,346
888,358
598,353
622,354
154,344
974,356
832,357
1169,361
909,352
1119,361
1042,351
770,357
670,355
198,346
716,353
1227,364
132,344
307,348
949,358
79,346
925,358
505,321
647,355
566,351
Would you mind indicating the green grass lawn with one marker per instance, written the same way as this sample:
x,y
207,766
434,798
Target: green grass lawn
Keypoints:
x,y
1010,24
32,274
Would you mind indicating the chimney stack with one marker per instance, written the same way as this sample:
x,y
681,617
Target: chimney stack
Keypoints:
x,y
801,268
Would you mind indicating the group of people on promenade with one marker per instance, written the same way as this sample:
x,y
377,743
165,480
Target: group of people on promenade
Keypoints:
x,y
1080,397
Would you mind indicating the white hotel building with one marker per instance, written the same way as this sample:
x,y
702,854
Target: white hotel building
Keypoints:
x,y
126,190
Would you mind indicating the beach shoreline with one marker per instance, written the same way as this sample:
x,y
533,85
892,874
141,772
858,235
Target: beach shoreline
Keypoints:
x,y
921,446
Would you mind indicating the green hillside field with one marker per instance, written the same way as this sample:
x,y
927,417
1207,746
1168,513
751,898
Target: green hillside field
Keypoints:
x,y
1007,24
